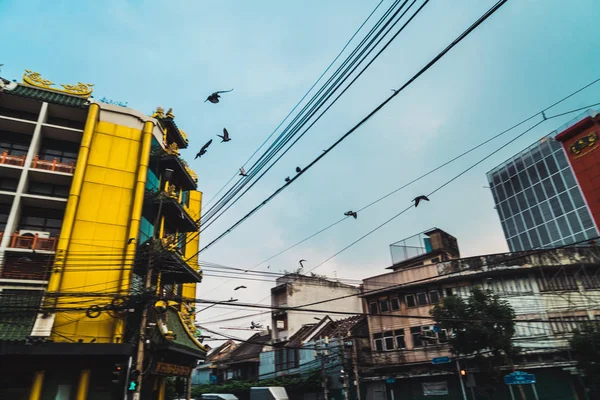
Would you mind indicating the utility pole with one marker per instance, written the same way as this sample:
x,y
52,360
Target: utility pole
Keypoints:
x,y
342,348
462,384
355,368
139,363
323,357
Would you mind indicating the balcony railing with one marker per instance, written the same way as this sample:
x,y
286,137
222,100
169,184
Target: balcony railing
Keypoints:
x,y
33,242
25,269
54,165
6,158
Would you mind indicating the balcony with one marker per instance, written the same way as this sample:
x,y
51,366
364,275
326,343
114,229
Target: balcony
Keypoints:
x,y
32,242
178,215
54,166
26,268
8,159
172,264
183,176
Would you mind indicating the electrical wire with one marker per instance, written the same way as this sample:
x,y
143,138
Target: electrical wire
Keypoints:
x,y
365,119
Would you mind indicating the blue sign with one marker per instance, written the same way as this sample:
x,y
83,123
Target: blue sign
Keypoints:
x,y
436,329
440,360
519,378
390,380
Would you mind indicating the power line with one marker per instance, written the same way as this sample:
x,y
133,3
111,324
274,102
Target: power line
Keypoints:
x,y
337,84
301,100
365,119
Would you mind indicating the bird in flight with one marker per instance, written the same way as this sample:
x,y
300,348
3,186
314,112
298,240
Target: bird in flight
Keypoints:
x,y
243,172
203,149
420,198
224,136
214,98
255,325
287,179
351,214
240,287
301,261
131,240
298,170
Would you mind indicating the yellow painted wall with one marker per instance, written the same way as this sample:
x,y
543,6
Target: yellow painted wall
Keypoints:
x,y
189,289
94,259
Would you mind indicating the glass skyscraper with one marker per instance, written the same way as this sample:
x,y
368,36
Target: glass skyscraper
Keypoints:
x,y
538,199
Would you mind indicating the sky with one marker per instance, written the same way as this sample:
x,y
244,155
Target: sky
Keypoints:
x,y
173,54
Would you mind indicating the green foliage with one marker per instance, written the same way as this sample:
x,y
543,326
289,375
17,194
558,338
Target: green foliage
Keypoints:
x,y
296,383
482,322
585,343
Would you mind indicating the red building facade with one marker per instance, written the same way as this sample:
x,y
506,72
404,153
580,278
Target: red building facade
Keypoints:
x,y
582,146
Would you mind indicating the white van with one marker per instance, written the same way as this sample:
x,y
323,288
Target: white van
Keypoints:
x,y
268,393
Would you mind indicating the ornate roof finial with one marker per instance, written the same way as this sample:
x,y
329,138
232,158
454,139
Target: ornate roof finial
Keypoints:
x,y
159,113
170,114
35,79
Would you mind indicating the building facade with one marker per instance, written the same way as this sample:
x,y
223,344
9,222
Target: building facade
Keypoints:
x,y
94,198
549,194
551,292
295,290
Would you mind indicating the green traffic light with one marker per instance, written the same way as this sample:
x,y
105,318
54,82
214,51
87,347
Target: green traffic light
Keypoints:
x,y
132,386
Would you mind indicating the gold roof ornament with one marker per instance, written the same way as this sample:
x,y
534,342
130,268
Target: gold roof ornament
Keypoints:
x,y
159,113
35,79
170,114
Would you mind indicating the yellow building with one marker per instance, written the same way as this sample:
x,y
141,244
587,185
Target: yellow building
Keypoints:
x,y
92,197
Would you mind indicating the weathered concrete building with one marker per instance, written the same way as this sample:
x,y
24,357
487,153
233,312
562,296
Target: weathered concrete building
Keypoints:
x,y
551,291
295,290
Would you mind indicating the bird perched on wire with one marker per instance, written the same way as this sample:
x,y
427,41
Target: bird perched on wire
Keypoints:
x,y
351,214
255,325
298,170
420,198
224,136
240,287
243,172
287,179
214,98
203,149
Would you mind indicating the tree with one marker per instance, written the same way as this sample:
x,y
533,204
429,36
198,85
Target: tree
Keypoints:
x,y
483,322
585,343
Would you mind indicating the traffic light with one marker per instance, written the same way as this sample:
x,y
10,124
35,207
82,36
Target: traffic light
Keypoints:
x,y
116,373
463,372
133,380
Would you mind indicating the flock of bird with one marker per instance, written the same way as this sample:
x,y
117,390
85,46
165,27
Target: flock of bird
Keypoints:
x,y
214,98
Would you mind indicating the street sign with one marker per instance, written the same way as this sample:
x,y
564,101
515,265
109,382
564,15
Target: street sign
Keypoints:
x,y
519,378
440,360
390,380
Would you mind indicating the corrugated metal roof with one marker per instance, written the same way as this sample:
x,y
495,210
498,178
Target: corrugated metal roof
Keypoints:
x,y
251,348
47,96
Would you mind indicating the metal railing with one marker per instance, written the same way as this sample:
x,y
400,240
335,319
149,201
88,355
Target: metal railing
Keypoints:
x,y
33,242
54,165
6,158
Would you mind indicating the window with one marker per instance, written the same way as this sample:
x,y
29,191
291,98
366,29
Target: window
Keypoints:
x,y
384,306
410,301
422,299
47,189
373,308
286,358
38,219
63,151
558,282
434,297
590,280
449,292
415,332
443,336
14,148
388,340
567,324
400,342
435,260
378,341
8,184
395,303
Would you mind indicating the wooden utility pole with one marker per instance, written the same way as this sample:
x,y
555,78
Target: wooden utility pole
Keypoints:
x,y
342,348
323,357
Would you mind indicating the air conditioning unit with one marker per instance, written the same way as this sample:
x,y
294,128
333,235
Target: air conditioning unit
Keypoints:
x,y
41,234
